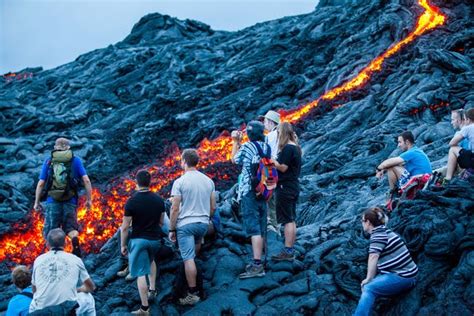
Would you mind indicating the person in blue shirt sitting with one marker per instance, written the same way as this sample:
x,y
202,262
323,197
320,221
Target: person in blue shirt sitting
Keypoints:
x,y
20,303
412,162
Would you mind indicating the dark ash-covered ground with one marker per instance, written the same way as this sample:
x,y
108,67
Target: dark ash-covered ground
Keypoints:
x,y
180,81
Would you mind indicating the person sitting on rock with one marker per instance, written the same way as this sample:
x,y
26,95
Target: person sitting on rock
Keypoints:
x,y
56,275
254,211
458,120
412,162
192,207
19,305
146,210
271,121
389,255
287,191
459,155
59,180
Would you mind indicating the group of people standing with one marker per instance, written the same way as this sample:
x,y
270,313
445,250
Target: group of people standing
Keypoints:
x,y
60,281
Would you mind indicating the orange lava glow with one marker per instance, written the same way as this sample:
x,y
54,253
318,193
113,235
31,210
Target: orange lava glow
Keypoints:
x,y
428,20
14,76
101,222
433,107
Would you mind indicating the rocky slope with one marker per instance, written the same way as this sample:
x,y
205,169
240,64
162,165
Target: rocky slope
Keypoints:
x,y
180,81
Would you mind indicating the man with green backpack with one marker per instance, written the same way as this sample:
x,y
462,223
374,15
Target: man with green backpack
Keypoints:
x,y
59,181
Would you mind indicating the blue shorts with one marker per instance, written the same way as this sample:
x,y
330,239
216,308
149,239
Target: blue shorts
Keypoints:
x,y
254,214
60,215
188,236
141,253
404,178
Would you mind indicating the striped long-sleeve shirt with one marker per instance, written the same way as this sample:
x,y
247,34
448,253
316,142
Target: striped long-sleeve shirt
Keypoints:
x,y
394,256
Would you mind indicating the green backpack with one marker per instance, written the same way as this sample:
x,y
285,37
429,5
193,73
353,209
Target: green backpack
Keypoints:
x,y
60,183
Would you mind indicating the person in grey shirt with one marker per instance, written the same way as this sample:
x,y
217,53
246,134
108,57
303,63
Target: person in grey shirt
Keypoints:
x,y
193,204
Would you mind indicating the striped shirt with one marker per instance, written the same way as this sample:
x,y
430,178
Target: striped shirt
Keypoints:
x,y
394,256
246,156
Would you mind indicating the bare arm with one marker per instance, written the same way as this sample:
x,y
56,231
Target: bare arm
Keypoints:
x,y
174,216
280,167
456,139
371,268
213,203
127,220
88,187
87,287
236,138
39,189
391,162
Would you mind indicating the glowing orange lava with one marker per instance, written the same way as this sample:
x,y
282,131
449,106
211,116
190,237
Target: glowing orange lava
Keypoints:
x,y
101,222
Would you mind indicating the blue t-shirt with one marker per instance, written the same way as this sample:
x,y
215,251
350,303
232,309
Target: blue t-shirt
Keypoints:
x,y
78,171
416,161
19,304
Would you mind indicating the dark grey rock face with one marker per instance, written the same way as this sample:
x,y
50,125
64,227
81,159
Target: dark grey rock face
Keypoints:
x,y
179,81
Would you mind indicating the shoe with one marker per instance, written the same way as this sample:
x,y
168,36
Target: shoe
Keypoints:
x,y
284,256
141,312
151,295
252,271
190,299
129,277
123,273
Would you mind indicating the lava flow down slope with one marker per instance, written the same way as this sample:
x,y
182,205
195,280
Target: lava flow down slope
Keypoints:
x,y
349,76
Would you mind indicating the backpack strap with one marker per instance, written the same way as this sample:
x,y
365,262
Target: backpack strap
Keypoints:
x,y
27,294
260,151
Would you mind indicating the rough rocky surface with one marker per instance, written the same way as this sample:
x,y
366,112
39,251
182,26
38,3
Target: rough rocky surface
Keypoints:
x,y
180,81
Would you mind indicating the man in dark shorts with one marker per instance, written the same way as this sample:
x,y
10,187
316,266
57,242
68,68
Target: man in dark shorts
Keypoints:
x,y
145,210
59,178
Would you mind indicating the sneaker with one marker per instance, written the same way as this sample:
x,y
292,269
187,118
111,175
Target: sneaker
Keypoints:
x,y
141,312
123,273
190,299
129,277
252,271
151,295
284,256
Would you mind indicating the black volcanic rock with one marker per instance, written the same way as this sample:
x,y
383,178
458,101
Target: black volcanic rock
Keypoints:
x,y
179,81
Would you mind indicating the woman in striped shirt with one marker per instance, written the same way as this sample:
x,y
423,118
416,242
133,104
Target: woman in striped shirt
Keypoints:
x,y
387,254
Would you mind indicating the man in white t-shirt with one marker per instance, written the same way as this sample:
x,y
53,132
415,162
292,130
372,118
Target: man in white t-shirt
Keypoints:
x,y
457,154
193,205
56,275
271,121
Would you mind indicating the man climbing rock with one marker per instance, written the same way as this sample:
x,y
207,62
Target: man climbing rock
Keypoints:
x,y
59,182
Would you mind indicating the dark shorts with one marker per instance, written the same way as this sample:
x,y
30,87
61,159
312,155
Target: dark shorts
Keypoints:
x,y
142,253
286,204
466,159
254,214
60,215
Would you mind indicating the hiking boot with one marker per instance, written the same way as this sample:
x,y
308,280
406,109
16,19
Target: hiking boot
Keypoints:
x,y
123,273
284,256
190,299
151,295
141,312
252,271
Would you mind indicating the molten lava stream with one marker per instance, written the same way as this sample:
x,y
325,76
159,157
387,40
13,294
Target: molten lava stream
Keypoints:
x,y
102,221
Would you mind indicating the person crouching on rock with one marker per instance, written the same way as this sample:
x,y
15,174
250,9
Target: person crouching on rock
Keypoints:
x,y
254,211
146,210
412,162
387,254
459,155
288,164
58,184
192,207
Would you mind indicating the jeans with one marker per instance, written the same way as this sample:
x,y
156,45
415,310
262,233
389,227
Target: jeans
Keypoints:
x,y
188,236
382,285
60,215
254,214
